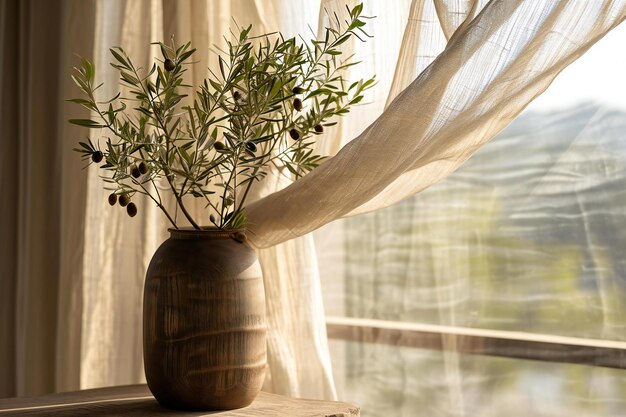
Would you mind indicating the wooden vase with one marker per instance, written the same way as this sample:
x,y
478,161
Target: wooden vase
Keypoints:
x,y
204,334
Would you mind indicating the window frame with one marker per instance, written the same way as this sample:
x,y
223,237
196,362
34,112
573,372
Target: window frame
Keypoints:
x,y
509,344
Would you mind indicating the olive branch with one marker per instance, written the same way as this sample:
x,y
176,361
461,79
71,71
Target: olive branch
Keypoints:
x,y
272,98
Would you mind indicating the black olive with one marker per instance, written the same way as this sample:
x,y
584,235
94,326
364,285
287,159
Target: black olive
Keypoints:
x,y
143,167
251,146
212,218
219,146
295,135
112,199
169,65
236,95
131,209
134,171
298,90
97,156
297,104
124,200
319,128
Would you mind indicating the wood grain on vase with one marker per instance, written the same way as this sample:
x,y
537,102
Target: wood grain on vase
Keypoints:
x,y
204,322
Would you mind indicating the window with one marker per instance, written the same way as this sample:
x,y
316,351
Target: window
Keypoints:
x,y
501,289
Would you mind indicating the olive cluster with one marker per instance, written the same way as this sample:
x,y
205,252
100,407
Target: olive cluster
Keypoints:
x,y
297,105
124,201
294,132
136,171
220,147
123,198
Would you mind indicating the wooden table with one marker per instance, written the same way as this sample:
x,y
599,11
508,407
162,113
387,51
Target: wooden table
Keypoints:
x,y
136,400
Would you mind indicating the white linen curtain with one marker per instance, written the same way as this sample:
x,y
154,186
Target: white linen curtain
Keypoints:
x,y
499,56
491,68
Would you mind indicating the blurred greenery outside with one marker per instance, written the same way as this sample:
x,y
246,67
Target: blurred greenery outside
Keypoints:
x,y
401,382
526,236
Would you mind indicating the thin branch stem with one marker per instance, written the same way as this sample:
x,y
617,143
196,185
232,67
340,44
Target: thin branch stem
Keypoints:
x,y
168,140
159,202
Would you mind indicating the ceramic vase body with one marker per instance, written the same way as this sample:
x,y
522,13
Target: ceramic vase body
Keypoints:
x,y
204,332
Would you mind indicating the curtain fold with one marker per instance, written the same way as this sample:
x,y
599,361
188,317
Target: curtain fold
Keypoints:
x,y
9,148
43,198
423,40
76,38
298,355
453,13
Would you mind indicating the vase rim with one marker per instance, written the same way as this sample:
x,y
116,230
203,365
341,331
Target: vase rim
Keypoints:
x,y
205,232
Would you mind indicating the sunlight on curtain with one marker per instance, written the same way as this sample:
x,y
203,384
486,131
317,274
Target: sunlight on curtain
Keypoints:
x,y
489,71
118,249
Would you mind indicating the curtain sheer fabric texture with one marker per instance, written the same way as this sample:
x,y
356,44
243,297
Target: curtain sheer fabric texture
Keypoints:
x,y
42,195
463,71
492,66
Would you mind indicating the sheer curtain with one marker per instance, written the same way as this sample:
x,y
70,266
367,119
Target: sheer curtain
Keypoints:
x,y
525,237
464,70
491,68
42,199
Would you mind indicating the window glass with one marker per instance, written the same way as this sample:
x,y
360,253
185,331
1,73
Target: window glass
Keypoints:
x,y
529,235
404,382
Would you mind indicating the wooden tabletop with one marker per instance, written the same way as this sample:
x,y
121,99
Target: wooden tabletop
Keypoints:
x,y
136,400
